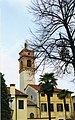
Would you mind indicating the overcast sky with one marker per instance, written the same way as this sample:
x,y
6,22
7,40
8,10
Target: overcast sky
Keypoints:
x,y
15,22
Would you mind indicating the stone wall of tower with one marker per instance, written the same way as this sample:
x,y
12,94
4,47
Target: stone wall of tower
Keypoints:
x,y
26,77
26,68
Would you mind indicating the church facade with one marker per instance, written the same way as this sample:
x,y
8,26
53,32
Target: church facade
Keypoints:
x,y
29,103
38,108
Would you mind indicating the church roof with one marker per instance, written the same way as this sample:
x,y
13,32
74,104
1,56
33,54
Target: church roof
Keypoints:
x,y
26,50
38,88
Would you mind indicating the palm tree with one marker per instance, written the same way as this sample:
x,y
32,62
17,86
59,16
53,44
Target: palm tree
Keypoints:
x,y
62,95
47,84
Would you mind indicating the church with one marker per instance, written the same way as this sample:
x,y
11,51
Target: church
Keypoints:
x,y
29,103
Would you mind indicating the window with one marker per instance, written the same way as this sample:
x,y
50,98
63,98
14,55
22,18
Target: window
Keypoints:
x,y
28,53
74,106
31,97
51,107
58,95
43,107
21,104
43,94
51,95
31,115
28,63
67,107
59,107
21,65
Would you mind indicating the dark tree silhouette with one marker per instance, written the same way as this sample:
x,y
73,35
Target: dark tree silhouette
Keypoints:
x,y
48,83
55,38
5,110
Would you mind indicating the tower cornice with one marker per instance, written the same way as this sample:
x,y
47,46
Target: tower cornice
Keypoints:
x,y
27,69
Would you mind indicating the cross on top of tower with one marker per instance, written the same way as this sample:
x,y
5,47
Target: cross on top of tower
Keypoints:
x,y
26,44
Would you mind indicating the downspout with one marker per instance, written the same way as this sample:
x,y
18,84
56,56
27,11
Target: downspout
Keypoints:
x,y
16,107
39,105
71,104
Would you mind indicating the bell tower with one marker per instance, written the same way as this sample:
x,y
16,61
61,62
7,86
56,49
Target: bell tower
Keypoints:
x,y
26,67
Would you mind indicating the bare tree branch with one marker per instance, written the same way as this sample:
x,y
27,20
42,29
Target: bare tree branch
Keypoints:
x,y
55,39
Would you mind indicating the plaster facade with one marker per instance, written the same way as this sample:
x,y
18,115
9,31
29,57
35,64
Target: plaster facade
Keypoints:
x,y
73,107
18,103
55,114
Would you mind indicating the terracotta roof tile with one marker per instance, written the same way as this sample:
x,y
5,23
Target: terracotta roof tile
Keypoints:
x,y
17,92
37,87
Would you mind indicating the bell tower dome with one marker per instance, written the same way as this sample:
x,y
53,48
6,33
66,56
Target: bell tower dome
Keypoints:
x,y
26,67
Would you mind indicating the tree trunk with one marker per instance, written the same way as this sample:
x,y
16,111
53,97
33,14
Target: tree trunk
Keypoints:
x,y
65,107
49,113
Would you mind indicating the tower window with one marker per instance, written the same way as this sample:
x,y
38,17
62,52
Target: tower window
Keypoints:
x,y
28,53
21,65
28,63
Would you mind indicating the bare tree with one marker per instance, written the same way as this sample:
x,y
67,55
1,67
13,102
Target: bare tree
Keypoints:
x,y
55,39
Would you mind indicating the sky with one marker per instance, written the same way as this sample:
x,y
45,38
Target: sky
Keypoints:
x,y
15,25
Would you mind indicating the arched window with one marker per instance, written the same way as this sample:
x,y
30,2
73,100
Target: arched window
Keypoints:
x,y
31,97
21,65
28,63
31,115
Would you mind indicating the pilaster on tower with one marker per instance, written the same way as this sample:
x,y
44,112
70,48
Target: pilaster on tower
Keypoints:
x,y
26,67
